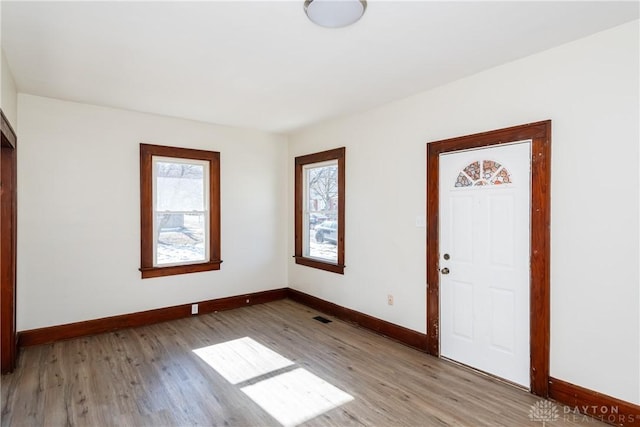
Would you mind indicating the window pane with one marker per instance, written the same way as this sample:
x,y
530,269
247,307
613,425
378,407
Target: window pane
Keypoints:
x,y
181,232
180,237
321,219
180,186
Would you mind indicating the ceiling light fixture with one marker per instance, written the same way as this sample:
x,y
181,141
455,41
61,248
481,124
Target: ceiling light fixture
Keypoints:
x,y
334,13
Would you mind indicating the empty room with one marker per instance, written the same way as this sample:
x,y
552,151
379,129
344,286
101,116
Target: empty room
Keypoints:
x,y
320,213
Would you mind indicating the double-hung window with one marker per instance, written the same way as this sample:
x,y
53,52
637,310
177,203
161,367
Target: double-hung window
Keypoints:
x,y
319,210
180,210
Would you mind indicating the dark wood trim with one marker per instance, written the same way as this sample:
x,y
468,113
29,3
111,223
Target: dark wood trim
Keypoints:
x,y
540,135
8,134
8,245
540,253
581,400
310,262
148,273
433,257
147,151
399,333
230,303
107,324
300,161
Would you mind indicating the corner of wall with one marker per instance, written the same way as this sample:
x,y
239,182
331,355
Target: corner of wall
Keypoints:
x,y
9,99
289,204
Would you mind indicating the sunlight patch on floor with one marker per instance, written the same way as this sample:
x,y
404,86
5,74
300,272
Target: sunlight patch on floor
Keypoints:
x,y
296,396
292,397
242,359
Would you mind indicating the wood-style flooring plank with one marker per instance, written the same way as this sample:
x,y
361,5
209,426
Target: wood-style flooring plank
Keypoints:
x,y
150,376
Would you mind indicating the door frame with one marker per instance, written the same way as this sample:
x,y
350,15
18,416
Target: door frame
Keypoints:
x,y
8,231
539,330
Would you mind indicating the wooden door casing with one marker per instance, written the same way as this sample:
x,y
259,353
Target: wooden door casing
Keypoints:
x,y
8,237
540,135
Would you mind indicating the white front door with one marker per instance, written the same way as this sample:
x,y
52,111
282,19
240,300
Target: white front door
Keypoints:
x,y
484,259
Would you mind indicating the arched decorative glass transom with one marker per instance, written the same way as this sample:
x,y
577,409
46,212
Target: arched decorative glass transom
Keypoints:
x,y
485,172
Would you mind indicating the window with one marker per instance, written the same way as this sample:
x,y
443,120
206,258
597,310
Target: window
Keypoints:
x,y
179,210
487,172
319,210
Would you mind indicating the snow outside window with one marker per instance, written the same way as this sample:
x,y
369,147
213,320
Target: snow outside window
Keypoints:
x,y
179,210
181,215
319,210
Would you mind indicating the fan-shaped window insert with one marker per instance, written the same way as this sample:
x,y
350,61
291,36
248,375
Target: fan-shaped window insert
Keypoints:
x,y
485,172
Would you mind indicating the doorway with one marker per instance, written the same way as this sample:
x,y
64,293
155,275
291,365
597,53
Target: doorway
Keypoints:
x,y
8,234
536,330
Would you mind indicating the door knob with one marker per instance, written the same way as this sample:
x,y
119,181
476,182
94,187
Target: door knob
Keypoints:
x,y
444,271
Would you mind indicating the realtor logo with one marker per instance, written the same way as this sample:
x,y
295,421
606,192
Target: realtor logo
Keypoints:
x,y
544,411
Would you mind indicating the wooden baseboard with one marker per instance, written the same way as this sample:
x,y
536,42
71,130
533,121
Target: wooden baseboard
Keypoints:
x,y
108,324
580,400
404,335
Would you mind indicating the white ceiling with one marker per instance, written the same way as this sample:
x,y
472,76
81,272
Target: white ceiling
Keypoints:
x,y
263,64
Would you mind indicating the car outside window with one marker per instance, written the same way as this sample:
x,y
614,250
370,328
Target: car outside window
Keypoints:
x,y
319,210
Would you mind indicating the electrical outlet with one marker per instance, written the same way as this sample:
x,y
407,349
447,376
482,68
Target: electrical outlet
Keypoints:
x,y
390,299
194,308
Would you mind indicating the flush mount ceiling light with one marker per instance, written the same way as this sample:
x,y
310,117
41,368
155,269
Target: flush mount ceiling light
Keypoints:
x,y
334,13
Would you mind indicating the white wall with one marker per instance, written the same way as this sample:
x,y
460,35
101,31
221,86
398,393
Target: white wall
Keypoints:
x,y
79,215
9,97
589,88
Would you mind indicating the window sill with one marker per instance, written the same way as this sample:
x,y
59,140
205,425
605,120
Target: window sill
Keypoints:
x,y
149,272
314,263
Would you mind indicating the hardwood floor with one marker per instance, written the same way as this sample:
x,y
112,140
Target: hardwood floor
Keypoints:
x,y
149,376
